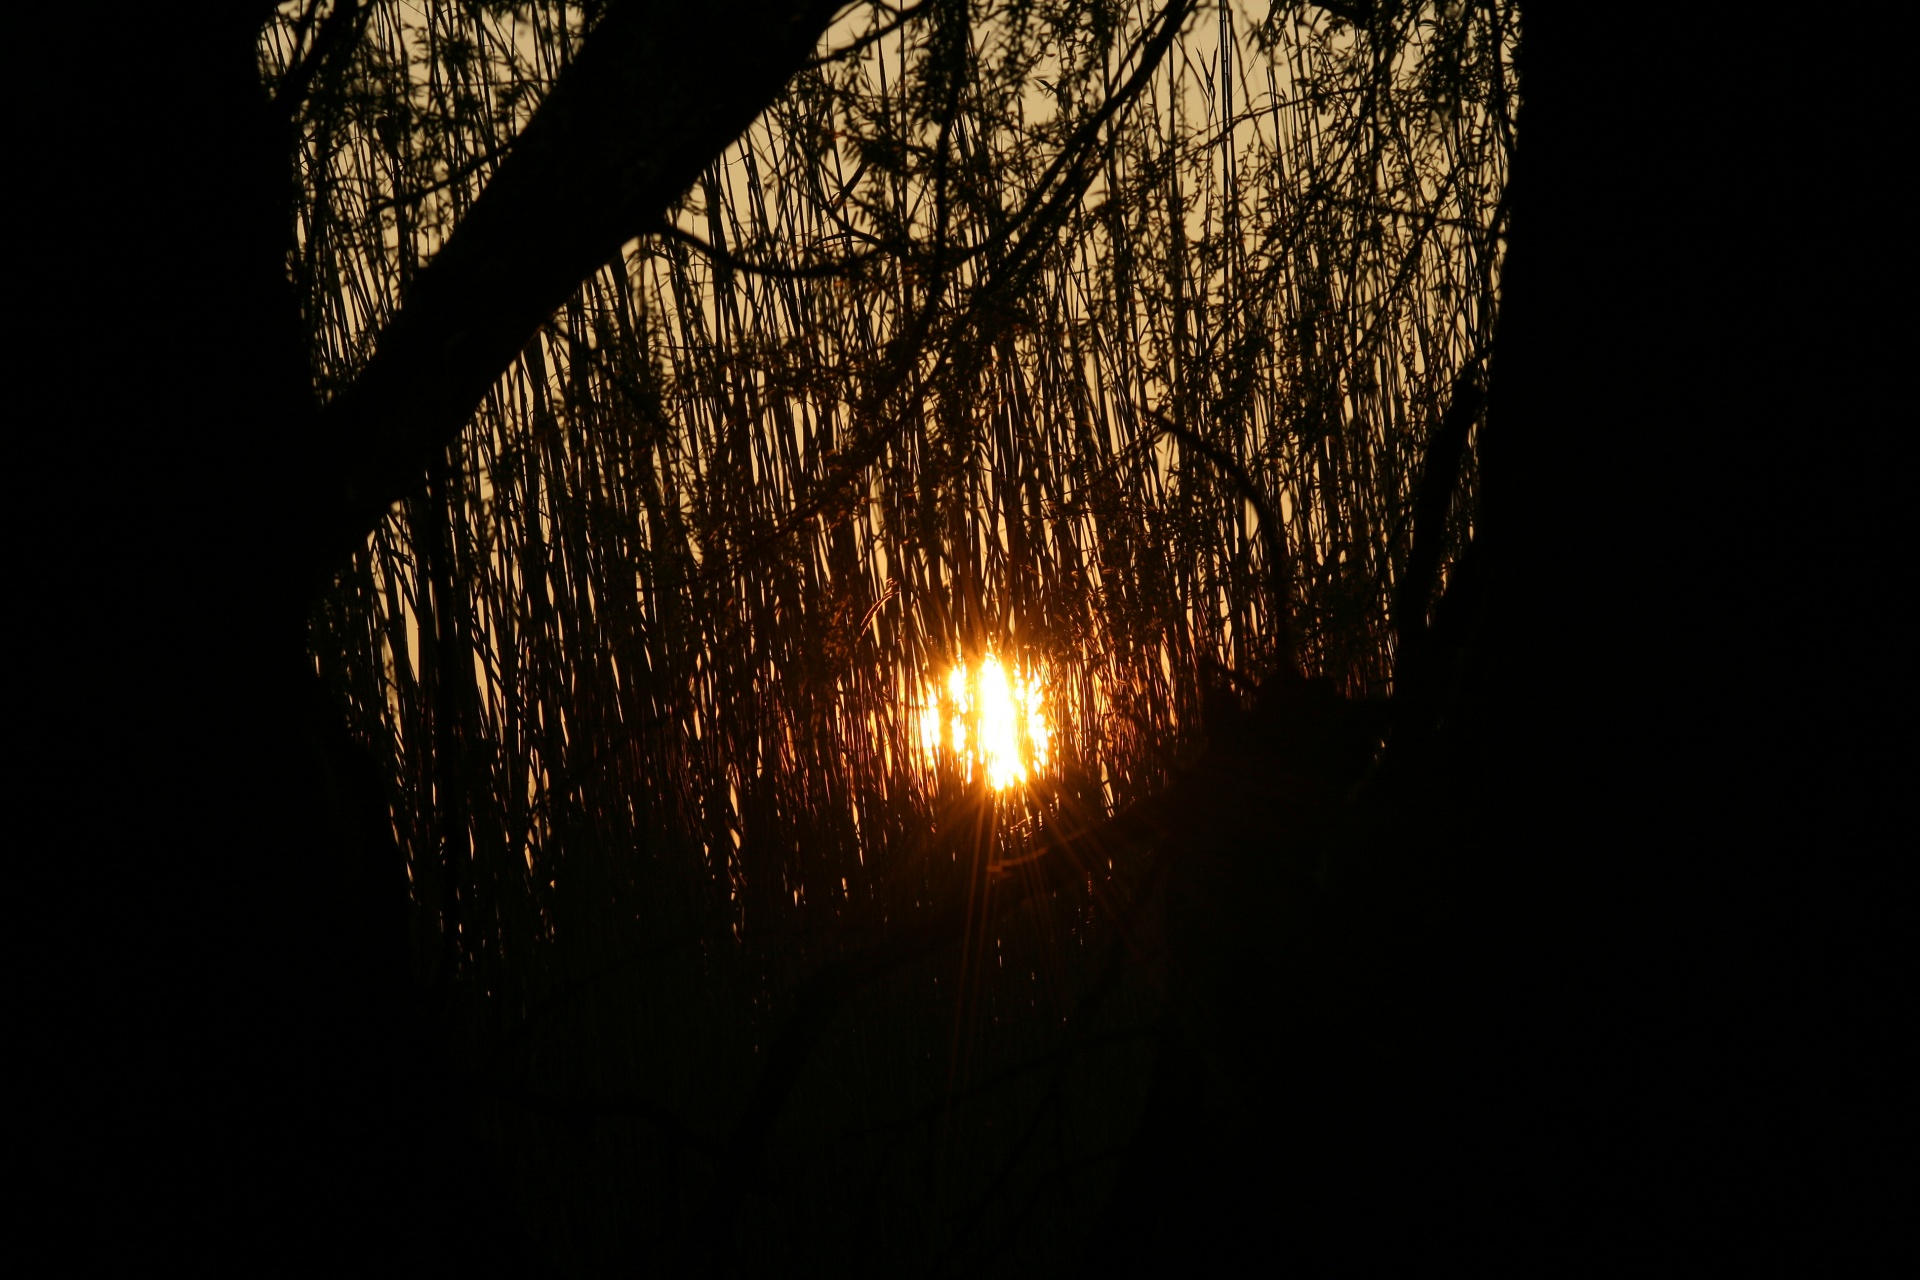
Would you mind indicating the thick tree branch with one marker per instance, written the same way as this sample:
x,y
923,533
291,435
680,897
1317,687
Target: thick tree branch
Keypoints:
x,y
656,92
1433,498
335,41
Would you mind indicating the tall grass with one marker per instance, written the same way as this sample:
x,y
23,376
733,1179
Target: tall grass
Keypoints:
x,y
643,657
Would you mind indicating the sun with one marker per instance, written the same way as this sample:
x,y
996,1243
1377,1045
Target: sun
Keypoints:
x,y
988,718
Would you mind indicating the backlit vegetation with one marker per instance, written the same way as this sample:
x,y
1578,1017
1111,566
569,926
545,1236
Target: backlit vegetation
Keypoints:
x,y
1099,343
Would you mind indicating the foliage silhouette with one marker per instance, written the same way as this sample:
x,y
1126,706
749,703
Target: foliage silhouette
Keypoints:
x,y
1406,980
993,425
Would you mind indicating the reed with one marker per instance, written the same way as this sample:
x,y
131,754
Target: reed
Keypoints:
x,y
998,332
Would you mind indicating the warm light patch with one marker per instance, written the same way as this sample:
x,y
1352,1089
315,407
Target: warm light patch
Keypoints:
x,y
987,717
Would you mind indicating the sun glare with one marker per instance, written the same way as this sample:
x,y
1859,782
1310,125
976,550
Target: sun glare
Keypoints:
x,y
989,718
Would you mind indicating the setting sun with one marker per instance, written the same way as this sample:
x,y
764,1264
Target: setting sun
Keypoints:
x,y
990,717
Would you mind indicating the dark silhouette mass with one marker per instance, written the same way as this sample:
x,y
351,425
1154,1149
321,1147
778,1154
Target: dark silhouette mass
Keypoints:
x,y
1525,903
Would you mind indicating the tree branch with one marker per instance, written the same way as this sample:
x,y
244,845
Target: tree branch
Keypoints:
x,y
656,92
337,36
900,18
772,270
1433,497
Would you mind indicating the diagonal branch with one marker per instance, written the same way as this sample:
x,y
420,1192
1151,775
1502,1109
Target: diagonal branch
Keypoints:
x,y
1433,497
656,92
772,270
334,43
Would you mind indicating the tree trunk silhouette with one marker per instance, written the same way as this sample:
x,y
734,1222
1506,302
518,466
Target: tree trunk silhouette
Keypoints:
x,y
253,1080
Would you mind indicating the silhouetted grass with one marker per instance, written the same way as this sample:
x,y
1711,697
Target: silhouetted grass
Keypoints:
x,y
942,357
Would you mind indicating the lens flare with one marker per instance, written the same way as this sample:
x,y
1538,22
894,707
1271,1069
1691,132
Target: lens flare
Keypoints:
x,y
994,721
